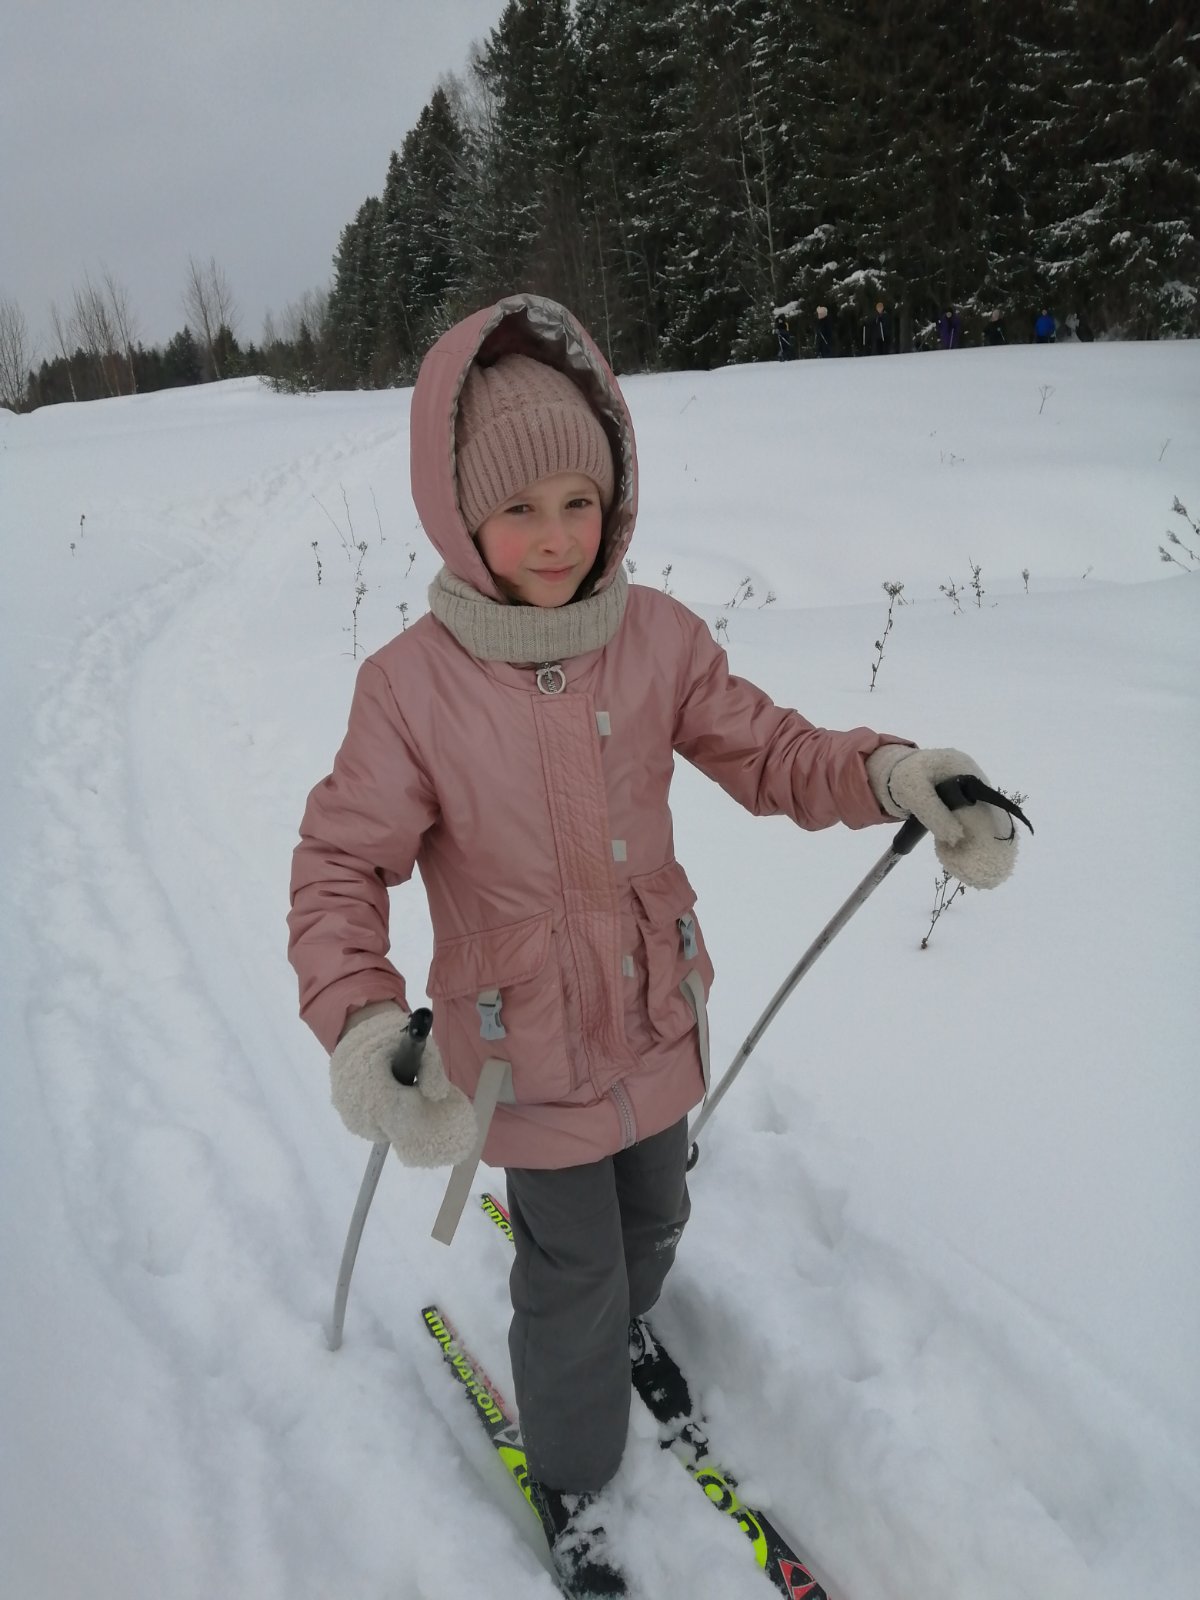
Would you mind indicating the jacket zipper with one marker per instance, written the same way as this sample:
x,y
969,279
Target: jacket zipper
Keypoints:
x,y
551,679
625,1111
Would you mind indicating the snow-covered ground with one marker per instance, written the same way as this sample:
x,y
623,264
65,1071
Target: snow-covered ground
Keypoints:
x,y
941,1291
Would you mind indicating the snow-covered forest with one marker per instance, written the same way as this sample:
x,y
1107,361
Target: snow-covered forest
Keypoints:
x,y
674,170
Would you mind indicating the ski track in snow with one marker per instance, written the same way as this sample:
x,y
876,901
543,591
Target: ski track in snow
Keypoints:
x,y
195,1216
885,1346
156,1157
209,1191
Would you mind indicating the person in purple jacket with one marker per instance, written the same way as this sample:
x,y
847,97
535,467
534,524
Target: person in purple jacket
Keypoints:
x,y
949,329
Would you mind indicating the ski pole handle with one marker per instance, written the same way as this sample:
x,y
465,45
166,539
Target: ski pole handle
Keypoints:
x,y
952,793
406,1061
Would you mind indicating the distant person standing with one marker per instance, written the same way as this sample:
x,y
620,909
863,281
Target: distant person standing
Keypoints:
x,y
949,329
845,333
823,332
1045,329
1083,328
877,332
994,333
783,338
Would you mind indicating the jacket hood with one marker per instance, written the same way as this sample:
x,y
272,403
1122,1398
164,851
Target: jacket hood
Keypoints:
x,y
533,326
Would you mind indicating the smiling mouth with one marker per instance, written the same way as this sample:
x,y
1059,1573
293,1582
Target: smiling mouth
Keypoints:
x,y
553,572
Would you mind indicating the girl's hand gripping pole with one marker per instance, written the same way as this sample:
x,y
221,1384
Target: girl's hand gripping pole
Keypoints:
x,y
405,1065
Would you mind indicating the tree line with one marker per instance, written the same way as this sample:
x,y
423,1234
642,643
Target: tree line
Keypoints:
x,y
676,170
97,353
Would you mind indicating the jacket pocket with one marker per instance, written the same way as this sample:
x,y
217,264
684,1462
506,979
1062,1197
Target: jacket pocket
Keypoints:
x,y
664,905
497,994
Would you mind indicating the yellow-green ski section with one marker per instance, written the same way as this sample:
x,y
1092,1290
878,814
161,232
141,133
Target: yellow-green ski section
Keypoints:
x,y
490,1409
497,1214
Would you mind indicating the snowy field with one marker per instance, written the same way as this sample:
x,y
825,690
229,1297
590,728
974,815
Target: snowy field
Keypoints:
x,y
941,1290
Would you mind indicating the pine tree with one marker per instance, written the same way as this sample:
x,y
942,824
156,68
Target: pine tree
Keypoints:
x,y
818,148
181,362
631,73
1118,226
355,296
149,369
903,157
419,258
306,357
527,160
779,141
1018,66
394,334
709,275
226,359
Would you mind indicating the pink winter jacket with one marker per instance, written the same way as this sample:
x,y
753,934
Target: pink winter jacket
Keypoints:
x,y
564,928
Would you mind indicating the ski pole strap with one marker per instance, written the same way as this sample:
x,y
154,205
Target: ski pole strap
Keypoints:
x,y
955,793
495,1084
693,993
976,790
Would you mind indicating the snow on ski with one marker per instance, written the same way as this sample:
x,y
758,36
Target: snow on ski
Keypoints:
x,y
661,1384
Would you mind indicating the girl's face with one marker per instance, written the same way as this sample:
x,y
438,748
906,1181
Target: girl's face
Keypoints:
x,y
541,544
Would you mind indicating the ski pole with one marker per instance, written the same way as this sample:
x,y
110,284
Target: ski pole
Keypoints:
x,y
405,1064
954,793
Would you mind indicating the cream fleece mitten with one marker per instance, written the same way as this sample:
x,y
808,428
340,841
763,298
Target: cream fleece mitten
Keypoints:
x,y
978,844
430,1124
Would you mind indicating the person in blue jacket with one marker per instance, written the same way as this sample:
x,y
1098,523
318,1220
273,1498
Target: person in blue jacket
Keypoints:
x,y
1045,329
949,329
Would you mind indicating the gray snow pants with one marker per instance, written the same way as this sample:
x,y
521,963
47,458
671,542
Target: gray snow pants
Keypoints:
x,y
594,1244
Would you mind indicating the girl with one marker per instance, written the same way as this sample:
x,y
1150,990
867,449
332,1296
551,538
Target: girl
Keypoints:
x,y
517,745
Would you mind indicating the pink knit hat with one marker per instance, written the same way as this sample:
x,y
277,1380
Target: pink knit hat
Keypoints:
x,y
520,420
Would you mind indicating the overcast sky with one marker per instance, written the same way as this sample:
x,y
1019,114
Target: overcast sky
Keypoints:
x,y
134,133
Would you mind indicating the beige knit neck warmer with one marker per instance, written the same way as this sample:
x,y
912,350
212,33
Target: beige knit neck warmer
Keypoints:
x,y
491,631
